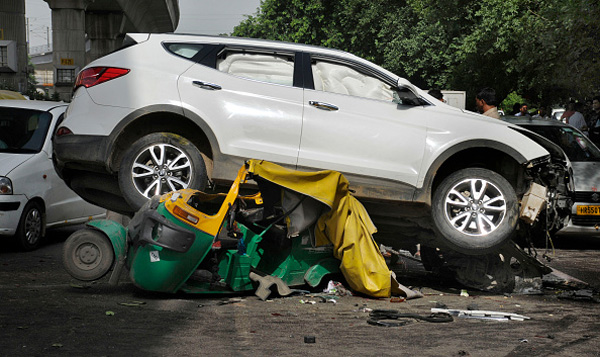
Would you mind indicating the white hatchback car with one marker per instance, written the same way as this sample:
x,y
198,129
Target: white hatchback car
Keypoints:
x,y
169,111
32,196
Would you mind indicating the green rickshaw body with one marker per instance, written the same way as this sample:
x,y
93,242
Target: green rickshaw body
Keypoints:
x,y
189,241
160,269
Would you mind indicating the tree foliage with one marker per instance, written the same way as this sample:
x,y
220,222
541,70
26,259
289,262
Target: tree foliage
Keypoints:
x,y
547,50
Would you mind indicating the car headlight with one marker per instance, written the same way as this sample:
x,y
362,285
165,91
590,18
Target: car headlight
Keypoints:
x,y
5,186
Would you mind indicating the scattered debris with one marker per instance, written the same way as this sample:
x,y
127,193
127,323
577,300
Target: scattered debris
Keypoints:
x,y
464,293
132,303
379,317
266,282
363,308
558,279
231,301
337,288
397,299
311,302
326,298
528,285
582,294
482,314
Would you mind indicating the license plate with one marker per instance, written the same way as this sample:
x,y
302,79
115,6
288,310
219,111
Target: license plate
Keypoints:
x,y
588,210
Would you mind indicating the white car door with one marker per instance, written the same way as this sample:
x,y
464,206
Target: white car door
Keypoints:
x,y
352,125
249,102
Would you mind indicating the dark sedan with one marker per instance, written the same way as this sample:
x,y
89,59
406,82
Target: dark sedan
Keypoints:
x,y
585,160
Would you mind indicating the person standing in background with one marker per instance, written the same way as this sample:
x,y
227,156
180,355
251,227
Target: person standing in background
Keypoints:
x,y
485,101
577,120
437,94
594,121
523,111
541,114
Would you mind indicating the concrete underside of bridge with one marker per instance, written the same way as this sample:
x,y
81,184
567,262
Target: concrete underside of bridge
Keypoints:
x,y
103,25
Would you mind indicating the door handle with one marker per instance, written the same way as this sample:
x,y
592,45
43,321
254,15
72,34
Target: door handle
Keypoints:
x,y
323,106
206,85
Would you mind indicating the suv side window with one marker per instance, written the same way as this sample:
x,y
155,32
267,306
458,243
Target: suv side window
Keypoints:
x,y
270,68
342,79
185,50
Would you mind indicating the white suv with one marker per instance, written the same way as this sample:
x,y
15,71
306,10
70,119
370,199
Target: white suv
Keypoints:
x,y
170,111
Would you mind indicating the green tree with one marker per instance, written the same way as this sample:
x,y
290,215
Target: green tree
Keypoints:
x,y
547,50
563,39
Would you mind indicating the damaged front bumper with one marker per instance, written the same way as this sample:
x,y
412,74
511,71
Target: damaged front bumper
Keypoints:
x,y
546,205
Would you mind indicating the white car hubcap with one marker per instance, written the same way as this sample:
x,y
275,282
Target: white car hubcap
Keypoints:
x,y
475,207
161,168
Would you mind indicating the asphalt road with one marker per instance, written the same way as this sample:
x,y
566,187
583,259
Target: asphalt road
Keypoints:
x,y
44,312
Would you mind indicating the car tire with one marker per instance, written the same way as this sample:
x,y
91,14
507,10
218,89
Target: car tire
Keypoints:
x,y
30,230
475,211
159,163
88,254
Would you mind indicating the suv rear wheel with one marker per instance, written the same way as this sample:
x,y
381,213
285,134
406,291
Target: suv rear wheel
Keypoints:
x,y
475,210
159,163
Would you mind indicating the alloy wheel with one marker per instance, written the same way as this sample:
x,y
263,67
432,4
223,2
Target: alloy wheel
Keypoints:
x,y
33,226
161,168
475,207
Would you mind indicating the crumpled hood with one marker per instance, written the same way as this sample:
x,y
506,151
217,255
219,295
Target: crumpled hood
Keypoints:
x,y
586,175
9,162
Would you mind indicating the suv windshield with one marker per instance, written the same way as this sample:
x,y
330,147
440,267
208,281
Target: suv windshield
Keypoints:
x,y
23,130
576,145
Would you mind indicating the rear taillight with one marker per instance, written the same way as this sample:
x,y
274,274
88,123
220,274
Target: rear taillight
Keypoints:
x,y
63,130
92,76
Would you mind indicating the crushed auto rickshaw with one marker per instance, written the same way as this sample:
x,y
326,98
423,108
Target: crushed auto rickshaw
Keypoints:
x,y
299,228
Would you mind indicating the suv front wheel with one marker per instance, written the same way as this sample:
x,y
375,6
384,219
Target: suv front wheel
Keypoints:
x,y
159,163
475,211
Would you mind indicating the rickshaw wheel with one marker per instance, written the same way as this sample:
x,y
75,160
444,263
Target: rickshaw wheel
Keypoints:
x,y
88,255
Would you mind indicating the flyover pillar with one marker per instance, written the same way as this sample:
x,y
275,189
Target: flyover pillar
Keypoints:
x,y
13,46
68,38
105,32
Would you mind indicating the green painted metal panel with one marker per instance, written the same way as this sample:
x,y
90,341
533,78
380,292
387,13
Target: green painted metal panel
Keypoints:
x,y
157,269
315,273
116,233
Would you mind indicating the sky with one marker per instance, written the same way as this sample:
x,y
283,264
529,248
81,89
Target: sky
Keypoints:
x,y
210,17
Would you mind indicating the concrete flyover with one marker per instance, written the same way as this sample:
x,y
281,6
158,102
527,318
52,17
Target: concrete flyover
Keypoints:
x,y
83,30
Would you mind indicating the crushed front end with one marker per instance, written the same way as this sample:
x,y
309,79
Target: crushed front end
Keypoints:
x,y
545,194
546,205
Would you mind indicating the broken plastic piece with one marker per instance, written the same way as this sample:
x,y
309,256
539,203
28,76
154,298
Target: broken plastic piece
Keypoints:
x,y
482,314
265,282
533,202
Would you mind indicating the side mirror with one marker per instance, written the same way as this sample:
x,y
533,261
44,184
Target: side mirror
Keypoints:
x,y
406,93
404,83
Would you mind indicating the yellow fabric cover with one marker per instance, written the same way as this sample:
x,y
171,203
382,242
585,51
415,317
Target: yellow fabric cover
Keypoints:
x,y
321,185
347,225
7,94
